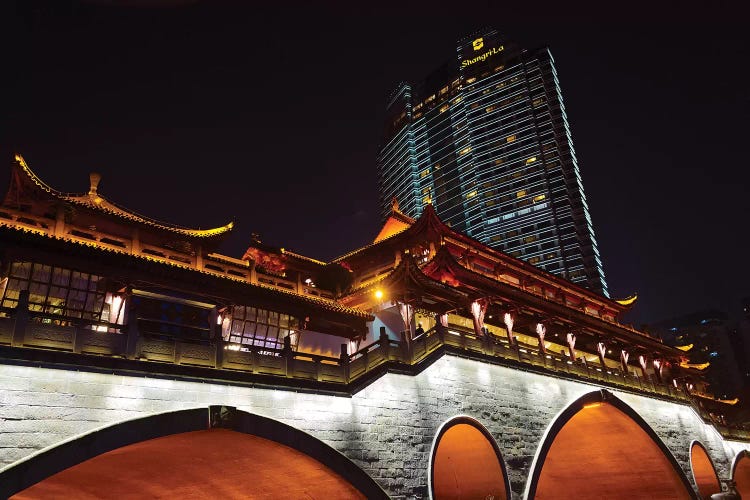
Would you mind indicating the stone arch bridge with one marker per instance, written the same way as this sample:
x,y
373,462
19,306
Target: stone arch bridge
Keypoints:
x,y
402,435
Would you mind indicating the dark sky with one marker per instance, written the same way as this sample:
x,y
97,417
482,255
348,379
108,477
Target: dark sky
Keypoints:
x,y
200,112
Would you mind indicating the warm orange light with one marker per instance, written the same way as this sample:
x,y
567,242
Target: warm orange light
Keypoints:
x,y
592,405
378,294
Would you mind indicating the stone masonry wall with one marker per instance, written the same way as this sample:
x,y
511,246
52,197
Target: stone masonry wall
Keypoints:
x,y
387,428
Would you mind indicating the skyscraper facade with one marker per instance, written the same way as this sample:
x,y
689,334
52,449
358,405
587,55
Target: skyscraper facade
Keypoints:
x,y
485,140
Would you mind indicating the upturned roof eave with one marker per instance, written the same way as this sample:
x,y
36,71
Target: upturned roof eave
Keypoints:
x,y
97,203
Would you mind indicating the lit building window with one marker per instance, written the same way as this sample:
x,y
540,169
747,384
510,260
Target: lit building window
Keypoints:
x,y
521,193
510,138
424,173
471,80
55,290
531,160
465,150
444,108
472,194
539,197
260,327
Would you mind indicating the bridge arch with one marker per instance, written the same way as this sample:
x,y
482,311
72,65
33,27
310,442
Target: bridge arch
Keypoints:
x,y
741,473
215,431
704,471
460,444
599,447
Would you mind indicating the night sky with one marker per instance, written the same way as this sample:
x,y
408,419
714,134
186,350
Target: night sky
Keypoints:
x,y
198,113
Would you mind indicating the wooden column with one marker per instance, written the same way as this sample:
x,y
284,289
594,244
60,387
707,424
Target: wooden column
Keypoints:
x,y
541,331
199,257
135,242
601,349
60,221
21,319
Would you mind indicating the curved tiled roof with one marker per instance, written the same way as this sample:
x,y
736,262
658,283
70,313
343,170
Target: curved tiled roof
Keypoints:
x,y
95,201
397,224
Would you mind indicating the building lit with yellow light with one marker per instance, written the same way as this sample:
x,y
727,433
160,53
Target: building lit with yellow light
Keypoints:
x,y
485,140
116,329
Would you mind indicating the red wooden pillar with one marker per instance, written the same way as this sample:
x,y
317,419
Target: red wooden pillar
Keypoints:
x,y
644,363
508,320
571,346
624,355
601,349
478,310
541,331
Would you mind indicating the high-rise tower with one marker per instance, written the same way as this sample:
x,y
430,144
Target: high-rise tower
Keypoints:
x,y
486,140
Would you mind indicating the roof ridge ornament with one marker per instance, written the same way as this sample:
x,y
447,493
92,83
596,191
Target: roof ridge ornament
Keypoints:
x,y
94,179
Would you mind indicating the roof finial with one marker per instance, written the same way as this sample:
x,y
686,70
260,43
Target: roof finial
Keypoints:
x,y
94,179
394,204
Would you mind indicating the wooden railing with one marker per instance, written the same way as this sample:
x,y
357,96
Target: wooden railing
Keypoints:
x,y
36,330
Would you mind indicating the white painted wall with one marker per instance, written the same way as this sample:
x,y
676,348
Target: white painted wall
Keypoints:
x,y
387,428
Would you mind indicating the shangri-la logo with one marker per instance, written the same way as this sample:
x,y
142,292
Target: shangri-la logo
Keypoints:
x,y
478,43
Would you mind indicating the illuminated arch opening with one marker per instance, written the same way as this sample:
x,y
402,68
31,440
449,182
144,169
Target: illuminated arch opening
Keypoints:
x,y
214,452
704,472
598,447
214,463
741,473
466,463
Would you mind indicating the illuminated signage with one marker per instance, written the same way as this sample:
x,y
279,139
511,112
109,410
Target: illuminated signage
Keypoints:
x,y
493,51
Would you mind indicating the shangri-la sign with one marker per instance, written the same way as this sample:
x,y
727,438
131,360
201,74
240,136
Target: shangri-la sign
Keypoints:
x,y
493,51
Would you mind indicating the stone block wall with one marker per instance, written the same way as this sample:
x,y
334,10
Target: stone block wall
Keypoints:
x,y
388,428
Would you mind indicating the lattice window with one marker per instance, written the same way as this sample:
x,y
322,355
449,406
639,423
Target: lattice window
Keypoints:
x,y
59,291
252,326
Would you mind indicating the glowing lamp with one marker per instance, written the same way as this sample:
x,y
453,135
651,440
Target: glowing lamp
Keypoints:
x,y
378,294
